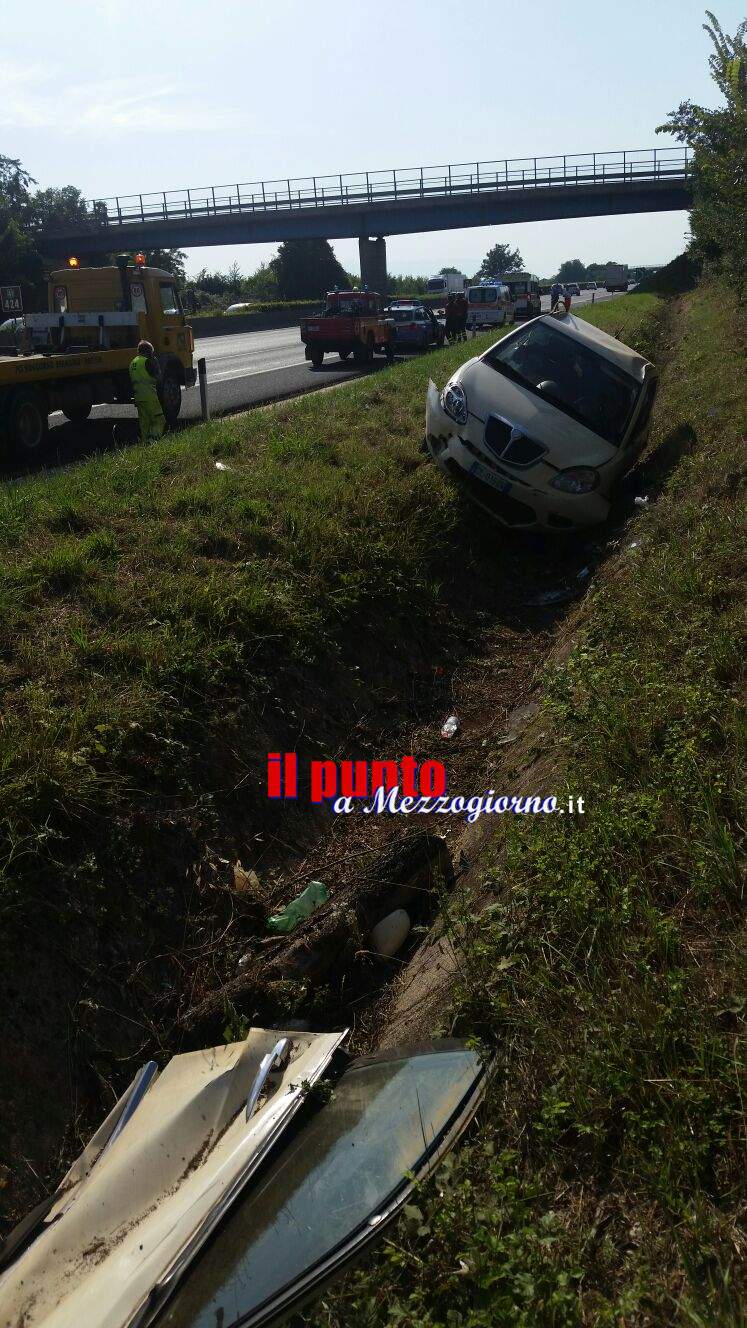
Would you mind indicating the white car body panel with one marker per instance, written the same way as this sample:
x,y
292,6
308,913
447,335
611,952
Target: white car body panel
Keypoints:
x,y
131,1217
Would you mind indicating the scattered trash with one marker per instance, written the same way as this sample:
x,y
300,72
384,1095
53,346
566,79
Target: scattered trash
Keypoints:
x,y
246,882
551,597
641,502
634,545
583,574
221,465
450,727
299,909
388,936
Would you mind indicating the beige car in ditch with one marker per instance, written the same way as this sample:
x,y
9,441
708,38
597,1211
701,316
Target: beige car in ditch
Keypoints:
x,y
539,429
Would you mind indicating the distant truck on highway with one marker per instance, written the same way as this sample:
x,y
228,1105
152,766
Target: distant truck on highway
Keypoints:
x,y
77,355
446,284
616,277
353,323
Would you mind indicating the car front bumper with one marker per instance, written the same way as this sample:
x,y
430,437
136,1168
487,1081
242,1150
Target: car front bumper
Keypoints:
x,y
524,500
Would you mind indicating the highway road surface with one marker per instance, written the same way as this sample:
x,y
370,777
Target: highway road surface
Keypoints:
x,y
244,369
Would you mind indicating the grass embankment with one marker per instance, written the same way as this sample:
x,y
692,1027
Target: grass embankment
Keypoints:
x,y
163,625
605,1183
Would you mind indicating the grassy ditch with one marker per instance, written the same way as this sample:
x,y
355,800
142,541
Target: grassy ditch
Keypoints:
x,y
605,1184
163,624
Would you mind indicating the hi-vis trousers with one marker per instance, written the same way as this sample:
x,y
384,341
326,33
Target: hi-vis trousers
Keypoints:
x,y
150,415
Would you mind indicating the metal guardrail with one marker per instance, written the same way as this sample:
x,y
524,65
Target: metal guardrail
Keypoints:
x,y
403,185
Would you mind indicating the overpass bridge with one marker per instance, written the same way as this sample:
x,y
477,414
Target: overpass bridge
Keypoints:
x,y
382,203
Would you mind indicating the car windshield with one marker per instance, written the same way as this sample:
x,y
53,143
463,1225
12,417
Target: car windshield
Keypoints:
x,y
483,294
571,376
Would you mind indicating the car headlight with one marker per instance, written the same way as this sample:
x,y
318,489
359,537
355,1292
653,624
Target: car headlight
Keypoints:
x,y
580,479
454,402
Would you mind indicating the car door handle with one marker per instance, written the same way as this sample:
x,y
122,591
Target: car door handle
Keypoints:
x,y
276,1059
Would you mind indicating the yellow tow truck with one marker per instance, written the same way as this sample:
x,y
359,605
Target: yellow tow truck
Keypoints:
x,y
77,355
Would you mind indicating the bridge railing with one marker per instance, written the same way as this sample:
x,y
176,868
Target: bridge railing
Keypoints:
x,y
405,184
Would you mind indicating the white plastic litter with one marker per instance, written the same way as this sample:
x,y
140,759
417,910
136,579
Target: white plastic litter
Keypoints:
x,y
389,935
221,465
641,502
450,727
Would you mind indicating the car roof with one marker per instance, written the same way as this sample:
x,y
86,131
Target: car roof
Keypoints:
x,y
593,337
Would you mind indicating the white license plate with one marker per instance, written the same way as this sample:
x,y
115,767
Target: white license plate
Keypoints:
x,y
489,477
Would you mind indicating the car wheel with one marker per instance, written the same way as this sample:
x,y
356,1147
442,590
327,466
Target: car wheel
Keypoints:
x,y
28,424
317,358
171,397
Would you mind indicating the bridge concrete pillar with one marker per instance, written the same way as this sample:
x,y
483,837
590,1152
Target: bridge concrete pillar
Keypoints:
x,y
373,263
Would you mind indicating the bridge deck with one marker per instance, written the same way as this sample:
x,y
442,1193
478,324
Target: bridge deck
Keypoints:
x,y
389,202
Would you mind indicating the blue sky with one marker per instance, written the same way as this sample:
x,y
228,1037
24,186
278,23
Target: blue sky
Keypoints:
x,y
116,97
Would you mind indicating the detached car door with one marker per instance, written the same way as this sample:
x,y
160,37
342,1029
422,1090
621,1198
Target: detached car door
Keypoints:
x,y
330,1191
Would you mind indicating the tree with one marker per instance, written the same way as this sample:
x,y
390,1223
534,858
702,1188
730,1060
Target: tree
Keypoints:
x,y
501,258
571,270
719,142
305,269
54,209
444,271
20,261
14,187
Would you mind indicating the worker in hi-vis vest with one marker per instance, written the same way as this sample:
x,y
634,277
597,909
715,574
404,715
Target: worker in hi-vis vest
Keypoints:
x,y
145,375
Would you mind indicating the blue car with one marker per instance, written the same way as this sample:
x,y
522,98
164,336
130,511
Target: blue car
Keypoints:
x,y
416,326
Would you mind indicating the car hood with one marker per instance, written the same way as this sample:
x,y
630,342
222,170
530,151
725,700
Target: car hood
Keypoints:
x,y
568,442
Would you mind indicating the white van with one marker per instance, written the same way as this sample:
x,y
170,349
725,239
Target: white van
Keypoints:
x,y
490,305
525,292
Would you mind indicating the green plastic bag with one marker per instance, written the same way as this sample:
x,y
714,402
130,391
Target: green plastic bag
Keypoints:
x,y
299,909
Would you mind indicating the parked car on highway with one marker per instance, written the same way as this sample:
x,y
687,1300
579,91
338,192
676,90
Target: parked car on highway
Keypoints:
x,y
591,285
414,325
540,428
573,288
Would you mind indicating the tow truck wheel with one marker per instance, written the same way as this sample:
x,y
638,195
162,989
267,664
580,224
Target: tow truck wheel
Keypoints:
x,y
317,358
28,425
171,397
